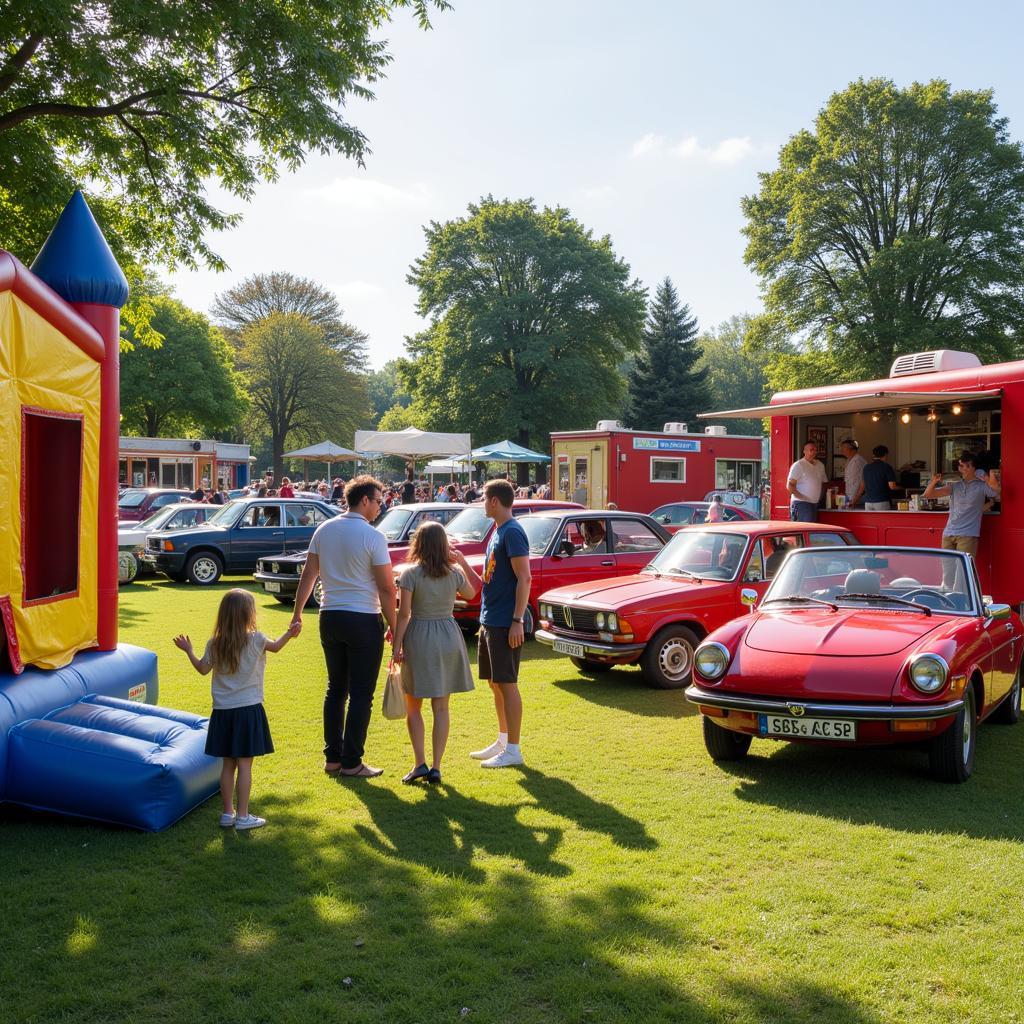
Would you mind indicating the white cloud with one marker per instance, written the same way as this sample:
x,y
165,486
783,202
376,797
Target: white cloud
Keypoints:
x,y
357,193
352,290
726,152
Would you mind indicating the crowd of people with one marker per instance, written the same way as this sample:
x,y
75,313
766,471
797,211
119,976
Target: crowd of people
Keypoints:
x,y
358,616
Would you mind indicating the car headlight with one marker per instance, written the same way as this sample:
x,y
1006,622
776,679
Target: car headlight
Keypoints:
x,y
613,621
599,620
711,661
275,568
928,673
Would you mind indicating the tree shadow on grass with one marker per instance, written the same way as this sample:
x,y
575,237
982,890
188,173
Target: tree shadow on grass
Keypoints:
x,y
890,786
304,920
622,690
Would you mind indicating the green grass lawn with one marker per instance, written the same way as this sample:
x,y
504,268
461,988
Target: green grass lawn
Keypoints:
x,y
622,876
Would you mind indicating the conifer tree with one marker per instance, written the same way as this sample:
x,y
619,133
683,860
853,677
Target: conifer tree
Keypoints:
x,y
665,385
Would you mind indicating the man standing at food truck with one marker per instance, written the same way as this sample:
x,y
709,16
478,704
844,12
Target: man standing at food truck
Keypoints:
x,y
967,498
853,475
805,480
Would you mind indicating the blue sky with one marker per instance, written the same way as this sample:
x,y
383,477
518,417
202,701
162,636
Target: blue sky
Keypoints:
x,y
648,120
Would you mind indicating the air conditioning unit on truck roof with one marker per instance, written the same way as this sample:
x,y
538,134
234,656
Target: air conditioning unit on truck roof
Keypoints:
x,y
933,362
608,425
675,428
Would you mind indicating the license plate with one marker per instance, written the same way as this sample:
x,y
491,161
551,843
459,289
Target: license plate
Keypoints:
x,y
808,728
564,647
273,588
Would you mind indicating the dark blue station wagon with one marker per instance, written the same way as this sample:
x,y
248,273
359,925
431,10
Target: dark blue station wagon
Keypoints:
x,y
236,536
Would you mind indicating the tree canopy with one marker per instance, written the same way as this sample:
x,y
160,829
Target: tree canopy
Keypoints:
x,y
142,102
895,225
665,384
184,386
302,389
530,318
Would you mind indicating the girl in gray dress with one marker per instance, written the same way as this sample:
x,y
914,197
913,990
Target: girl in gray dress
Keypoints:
x,y
428,642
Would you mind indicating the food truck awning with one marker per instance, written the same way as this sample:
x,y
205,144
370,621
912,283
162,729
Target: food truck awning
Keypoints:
x,y
867,402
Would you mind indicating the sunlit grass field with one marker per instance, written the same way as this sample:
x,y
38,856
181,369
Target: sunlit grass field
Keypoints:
x,y
622,876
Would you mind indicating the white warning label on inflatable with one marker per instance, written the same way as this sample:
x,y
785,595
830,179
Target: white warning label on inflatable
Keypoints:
x,y
138,693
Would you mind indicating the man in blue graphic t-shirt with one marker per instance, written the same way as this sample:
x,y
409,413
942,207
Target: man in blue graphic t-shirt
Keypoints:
x,y
505,595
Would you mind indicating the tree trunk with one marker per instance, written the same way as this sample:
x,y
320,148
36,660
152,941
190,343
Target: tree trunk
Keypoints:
x,y
152,422
277,452
523,468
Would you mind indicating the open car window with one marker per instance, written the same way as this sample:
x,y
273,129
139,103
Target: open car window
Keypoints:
x,y
775,549
701,553
630,536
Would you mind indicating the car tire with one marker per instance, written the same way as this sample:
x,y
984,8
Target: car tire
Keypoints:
x,y
127,567
667,661
951,755
1008,713
724,744
590,668
204,569
316,595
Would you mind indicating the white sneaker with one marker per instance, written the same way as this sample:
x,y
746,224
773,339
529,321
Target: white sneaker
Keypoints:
x,y
495,748
250,821
506,759
227,820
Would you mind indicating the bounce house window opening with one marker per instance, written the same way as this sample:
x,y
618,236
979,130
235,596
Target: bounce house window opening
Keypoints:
x,y
51,502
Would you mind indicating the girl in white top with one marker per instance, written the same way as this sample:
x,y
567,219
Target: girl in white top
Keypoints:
x,y
238,729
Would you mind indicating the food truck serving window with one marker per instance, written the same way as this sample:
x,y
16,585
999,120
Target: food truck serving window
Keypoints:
x,y
668,471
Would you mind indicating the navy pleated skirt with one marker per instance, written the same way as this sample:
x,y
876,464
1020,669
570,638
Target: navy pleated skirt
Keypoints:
x,y
239,732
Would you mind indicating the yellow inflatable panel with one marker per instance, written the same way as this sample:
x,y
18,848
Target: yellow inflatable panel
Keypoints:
x,y
43,374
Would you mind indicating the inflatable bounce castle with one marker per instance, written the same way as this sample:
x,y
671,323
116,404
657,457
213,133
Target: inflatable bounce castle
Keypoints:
x,y
79,732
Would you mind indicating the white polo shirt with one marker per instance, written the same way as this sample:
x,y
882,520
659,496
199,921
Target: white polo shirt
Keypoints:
x,y
809,478
348,548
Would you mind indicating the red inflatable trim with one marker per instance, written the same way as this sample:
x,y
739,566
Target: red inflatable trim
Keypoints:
x,y
13,651
15,277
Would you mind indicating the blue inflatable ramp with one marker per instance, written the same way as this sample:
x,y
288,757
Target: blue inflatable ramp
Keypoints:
x,y
112,760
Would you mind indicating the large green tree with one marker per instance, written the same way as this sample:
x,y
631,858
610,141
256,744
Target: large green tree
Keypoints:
x,y
895,225
186,385
665,383
530,318
385,390
144,102
301,388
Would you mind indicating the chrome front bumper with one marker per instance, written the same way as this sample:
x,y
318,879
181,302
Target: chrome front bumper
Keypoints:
x,y
589,646
821,709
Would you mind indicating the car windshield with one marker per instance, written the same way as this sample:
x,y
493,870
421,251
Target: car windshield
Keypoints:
x,y
539,531
469,524
876,577
227,514
131,499
394,521
701,554
157,519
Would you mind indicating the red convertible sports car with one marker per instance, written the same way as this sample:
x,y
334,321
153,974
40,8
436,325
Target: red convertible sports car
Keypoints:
x,y
867,646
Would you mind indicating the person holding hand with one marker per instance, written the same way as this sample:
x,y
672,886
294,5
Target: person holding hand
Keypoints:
x,y
967,497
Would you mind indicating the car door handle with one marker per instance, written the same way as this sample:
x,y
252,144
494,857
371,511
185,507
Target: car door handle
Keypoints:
x,y
608,561
277,533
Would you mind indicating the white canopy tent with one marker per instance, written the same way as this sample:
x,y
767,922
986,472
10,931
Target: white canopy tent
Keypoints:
x,y
325,451
412,444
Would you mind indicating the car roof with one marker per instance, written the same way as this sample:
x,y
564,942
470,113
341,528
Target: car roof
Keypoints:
x,y
430,506
287,501
590,513
758,526
698,504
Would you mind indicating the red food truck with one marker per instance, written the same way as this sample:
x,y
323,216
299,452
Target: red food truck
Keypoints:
x,y
933,406
639,470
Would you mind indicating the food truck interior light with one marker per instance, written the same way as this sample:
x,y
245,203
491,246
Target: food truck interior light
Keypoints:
x,y
932,415
905,416
957,409
875,417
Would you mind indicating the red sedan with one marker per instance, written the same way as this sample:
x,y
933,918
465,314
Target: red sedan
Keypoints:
x,y
658,616
864,646
470,530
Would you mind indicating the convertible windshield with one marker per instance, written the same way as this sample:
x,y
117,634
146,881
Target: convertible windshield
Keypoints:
x,y
394,521
701,554
539,530
469,524
157,519
891,578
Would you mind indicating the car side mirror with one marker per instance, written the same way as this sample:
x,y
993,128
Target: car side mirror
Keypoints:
x,y
997,611
748,597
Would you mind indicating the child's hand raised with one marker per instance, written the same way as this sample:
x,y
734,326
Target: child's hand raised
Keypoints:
x,y
183,643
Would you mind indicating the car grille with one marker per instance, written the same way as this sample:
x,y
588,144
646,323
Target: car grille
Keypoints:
x,y
281,568
579,620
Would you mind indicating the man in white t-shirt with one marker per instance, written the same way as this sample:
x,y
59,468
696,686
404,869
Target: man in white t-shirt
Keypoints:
x,y
804,482
351,558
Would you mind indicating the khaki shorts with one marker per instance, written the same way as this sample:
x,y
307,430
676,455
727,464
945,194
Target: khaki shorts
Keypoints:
x,y
961,543
495,660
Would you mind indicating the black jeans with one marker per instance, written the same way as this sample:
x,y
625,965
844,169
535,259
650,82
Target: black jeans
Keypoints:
x,y
353,644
